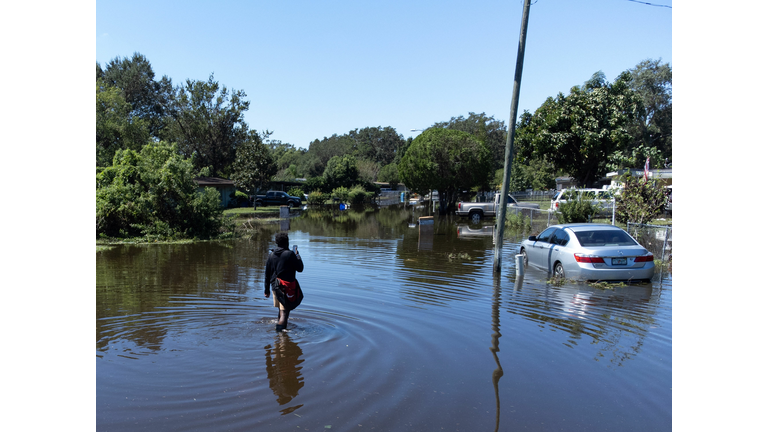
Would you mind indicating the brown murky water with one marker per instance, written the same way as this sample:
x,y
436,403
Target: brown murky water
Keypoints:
x,y
399,331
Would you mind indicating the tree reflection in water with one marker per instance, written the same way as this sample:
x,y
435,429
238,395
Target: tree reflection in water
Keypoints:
x,y
284,370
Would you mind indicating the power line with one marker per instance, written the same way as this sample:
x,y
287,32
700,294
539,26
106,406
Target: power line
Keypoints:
x,y
650,4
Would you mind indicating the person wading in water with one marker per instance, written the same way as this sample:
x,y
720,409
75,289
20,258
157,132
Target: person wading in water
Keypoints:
x,y
280,278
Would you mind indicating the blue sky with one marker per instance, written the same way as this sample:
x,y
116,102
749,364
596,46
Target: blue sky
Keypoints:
x,y
312,69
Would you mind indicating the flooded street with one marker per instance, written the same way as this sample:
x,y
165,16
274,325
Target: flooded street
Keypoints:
x,y
399,331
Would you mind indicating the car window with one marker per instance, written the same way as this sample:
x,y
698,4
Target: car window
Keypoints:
x,y
560,238
604,237
545,235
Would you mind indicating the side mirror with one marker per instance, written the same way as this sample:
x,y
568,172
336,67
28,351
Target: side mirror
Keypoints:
x,y
532,238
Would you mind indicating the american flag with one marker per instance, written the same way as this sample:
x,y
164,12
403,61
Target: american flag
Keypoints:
x,y
647,167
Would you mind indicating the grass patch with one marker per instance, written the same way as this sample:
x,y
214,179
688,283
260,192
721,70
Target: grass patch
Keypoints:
x,y
244,211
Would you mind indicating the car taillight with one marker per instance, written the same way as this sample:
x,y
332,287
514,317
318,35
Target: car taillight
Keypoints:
x,y
459,206
588,259
644,258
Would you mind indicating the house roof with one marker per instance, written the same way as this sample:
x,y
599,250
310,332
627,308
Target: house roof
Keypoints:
x,y
213,181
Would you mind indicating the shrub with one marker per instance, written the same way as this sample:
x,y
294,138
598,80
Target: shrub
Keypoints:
x,y
517,222
358,195
297,192
151,193
577,210
341,193
317,197
640,201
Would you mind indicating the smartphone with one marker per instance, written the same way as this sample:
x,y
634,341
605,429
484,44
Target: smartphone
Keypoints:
x,y
295,249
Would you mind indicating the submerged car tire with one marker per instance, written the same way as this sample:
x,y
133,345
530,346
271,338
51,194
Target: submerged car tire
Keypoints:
x,y
525,257
475,217
291,204
559,271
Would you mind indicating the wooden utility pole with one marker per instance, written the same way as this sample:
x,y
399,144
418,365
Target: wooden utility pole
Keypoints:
x,y
501,215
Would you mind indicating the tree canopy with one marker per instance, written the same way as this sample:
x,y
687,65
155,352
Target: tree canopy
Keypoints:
x,y
448,161
254,166
135,79
578,132
652,81
207,121
116,128
488,130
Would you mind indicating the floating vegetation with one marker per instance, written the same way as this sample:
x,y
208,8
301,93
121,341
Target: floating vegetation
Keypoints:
x,y
556,281
606,285
458,256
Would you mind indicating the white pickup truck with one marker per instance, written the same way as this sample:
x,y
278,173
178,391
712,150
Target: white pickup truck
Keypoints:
x,y
478,210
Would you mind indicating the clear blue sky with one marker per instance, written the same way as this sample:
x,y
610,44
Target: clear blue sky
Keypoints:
x,y
312,69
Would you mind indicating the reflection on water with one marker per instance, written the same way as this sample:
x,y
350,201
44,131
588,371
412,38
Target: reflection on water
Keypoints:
x,y
284,370
392,335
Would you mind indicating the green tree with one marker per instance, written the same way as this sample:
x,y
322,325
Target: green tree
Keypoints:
x,y
378,144
254,165
116,128
490,131
577,133
652,82
536,174
151,193
389,174
448,161
134,77
325,149
341,171
207,121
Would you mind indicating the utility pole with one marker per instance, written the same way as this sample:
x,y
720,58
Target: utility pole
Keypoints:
x,y
501,215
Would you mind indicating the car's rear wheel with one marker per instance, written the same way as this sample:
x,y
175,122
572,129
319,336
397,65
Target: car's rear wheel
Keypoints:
x,y
559,271
291,205
475,217
257,204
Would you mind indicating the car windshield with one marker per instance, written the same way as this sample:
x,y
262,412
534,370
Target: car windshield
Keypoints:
x,y
604,238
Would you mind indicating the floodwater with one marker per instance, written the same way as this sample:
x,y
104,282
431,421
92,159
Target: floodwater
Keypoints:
x,y
400,330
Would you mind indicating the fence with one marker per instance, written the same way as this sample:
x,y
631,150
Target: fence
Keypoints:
x,y
657,239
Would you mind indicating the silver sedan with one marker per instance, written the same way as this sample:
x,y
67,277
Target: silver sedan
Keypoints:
x,y
588,252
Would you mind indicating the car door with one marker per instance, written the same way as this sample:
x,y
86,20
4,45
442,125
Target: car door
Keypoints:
x,y
537,253
557,241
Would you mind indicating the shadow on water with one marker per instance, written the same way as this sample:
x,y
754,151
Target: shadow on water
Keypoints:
x,y
389,337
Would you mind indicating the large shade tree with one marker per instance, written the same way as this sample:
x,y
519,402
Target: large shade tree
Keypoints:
x,y
207,121
490,131
652,81
448,161
135,79
378,144
577,133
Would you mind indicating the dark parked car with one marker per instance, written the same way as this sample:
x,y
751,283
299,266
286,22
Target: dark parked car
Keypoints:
x,y
276,198
588,252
